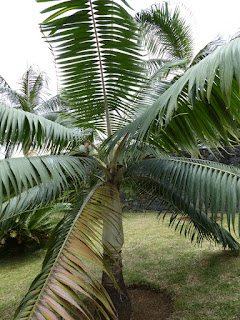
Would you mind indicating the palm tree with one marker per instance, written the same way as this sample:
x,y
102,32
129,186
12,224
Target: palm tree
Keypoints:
x,y
98,53
32,96
31,92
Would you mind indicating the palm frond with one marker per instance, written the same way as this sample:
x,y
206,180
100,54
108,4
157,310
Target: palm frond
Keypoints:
x,y
30,130
8,95
3,83
97,40
53,105
32,88
20,174
28,201
207,96
65,279
208,49
165,33
204,190
161,69
210,124
160,78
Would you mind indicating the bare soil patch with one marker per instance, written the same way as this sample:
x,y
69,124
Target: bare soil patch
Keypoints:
x,y
147,303
150,304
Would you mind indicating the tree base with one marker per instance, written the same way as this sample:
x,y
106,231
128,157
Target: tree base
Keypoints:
x,y
120,299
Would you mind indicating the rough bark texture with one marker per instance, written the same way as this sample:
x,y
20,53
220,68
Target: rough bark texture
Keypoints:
x,y
120,298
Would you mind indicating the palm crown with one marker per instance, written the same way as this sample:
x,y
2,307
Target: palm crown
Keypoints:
x,y
145,120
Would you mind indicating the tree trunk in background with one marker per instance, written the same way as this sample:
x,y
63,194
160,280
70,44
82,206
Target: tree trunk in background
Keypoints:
x,y
113,240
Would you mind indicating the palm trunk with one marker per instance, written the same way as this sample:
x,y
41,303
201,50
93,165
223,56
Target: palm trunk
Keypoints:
x,y
113,240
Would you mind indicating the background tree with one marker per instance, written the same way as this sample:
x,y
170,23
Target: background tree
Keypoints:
x,y
32,96
103,73
29,231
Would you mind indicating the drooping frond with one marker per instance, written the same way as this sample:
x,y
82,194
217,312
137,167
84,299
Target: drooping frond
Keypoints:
x,y
20,174
211,124
204,190
205,102
165,33
65,279
98,56
30,130
190,222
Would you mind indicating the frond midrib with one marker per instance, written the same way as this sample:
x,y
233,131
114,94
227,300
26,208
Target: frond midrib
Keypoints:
x,y
108,123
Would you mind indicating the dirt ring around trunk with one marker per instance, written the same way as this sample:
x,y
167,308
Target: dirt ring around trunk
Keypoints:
x,y
149,304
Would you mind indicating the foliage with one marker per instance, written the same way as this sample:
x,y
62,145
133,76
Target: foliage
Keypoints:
x,y
32,93
64,265
28,232
32,97
98,50
165,33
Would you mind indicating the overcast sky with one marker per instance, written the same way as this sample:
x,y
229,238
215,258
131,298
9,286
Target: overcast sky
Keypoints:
x,y
22,44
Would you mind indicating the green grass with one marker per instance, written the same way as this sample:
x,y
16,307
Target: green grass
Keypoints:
x,y
202,281
16,275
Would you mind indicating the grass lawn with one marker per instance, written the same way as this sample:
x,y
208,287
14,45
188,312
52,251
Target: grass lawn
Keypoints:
x,y
16,275
202,281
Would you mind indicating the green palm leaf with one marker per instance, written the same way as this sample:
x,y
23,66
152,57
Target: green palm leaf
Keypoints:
x,y
203,190
98,41
208,89
165,33
53,105
65,279
20,174
208,49
156,84
32,199
19,127
32,84
31,92
209,123
7,93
